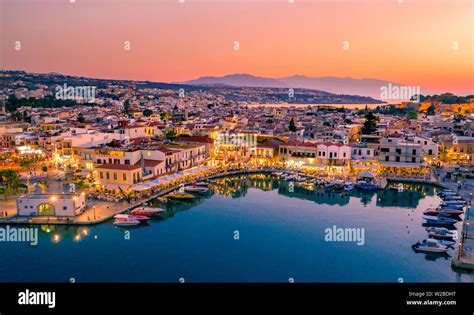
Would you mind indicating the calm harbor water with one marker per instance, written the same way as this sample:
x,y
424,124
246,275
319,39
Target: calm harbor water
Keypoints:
x,y
281,235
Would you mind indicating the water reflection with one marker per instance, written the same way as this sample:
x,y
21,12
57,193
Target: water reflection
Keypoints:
x,y
238,186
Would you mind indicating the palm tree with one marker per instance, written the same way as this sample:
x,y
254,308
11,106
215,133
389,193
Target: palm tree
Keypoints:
x,y
5,191
43,185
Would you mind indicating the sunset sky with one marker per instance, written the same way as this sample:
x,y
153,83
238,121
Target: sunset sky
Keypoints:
x,y
412,43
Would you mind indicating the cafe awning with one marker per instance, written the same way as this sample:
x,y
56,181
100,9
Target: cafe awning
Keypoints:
x,y
170,178
401,164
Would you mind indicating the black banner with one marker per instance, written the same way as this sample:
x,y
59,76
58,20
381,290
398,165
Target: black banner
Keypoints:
x,y
417,298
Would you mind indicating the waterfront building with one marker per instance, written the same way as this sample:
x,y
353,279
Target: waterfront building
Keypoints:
x,y
457,149
62,205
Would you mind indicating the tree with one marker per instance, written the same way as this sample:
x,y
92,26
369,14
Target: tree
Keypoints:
x,y
412,114
170,134
370,124
147,112
126,108
292,126
43,185
81,118
10,182
431,110
5,191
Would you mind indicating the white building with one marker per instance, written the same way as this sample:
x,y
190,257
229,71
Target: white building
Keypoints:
x,y
63,205
333,153
428,147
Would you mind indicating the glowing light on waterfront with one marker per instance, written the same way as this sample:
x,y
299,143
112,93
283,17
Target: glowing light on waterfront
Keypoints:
x,y
54,198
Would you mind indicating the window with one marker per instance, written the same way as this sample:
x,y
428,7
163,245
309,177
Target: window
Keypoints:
x,y
344,154
127,162
98,161
124,176
64,208
368,152
398,151
387,158
385,150
115,176
413,160
107,175
414,151
397,159
430,152
101,175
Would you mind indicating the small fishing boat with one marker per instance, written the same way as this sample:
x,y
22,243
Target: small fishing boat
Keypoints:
x,y
451,206
126,222
445,242
454,202
147,211
430,246
141,218
443,212
179,196
203,184
452,197
447,193
439,220
196,189
369,186
398,187
348,186
329,184
442,236
438,229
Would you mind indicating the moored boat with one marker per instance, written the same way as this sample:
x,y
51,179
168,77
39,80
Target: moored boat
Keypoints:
x,y
451,206
348,186
147,211
445,242
196,189
179,196
126,222
443,212
203,184
141,218
430,246
442,236
364,185
439,220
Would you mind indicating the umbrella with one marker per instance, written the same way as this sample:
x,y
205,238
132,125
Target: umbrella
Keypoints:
x,y
367,175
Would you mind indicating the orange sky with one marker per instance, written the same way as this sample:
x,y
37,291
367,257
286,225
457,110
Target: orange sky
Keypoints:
x,y
410,42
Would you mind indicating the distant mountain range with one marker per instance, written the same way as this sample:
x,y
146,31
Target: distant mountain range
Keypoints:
x,y
348,86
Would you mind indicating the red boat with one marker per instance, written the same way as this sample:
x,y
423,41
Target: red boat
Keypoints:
x,y
147,211
140,218
443,212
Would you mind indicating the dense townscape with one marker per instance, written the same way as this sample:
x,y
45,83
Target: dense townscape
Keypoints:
x,y
77,150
